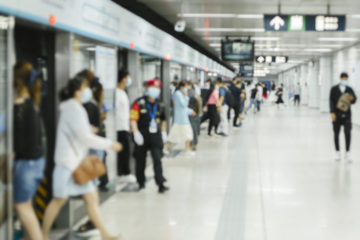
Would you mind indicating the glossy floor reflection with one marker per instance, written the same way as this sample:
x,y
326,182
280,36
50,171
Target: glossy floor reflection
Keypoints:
x,y
274,179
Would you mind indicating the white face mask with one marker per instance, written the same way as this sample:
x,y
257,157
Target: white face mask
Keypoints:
x,y
129,82
86,95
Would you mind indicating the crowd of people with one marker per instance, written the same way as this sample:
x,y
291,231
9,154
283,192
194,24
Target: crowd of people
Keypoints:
x,y
81,135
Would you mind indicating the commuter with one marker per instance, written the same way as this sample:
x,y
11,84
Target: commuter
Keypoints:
x,y
265,91
242,103
122,113
181,131
224,93
253,99
148,124
341,98
297,93
74,138
96,119
213,107
236,89
279,93
195,103
29,162
259,96
96,116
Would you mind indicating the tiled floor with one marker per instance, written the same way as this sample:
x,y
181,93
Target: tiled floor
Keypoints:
x,y
272,179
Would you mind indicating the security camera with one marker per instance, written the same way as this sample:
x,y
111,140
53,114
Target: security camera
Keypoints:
x,y
180,26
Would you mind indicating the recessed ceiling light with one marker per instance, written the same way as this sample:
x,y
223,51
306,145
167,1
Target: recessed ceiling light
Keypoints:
x,y
220,15
318,50
91,49
215,44
338,39
229,29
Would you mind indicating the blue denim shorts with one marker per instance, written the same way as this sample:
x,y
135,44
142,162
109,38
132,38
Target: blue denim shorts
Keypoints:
x,y
27,175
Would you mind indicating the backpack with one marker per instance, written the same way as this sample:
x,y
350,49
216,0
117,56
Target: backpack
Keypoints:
x,y
229,99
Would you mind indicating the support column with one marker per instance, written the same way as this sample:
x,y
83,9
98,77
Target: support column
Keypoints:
x,y
326,77
166,98
184,75
63,53
136,89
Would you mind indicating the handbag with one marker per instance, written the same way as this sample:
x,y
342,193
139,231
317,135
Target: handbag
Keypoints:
x,y
91,167
343,103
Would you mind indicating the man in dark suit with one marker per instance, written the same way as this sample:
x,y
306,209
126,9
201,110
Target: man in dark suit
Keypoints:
x,y
341,98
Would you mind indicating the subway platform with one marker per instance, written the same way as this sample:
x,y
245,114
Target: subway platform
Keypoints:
x,y
275,178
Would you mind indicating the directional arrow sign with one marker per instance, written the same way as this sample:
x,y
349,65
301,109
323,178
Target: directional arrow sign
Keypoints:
x,y
260,59
277,22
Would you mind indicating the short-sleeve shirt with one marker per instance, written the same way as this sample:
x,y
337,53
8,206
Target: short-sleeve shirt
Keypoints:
x,y
140,112
214,97
222,93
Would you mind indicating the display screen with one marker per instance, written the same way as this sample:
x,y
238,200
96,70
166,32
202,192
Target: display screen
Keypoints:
x,y
238,51
247,70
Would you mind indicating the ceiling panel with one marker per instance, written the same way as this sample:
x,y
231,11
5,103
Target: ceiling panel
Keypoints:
x,y
298,46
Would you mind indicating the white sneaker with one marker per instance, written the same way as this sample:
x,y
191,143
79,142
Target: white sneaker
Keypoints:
x,y
338,156
189,154
348,157
127,179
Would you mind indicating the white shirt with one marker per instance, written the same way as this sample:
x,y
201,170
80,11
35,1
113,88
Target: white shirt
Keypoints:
x,y
122,110
75,137
259,94
342,88
297,90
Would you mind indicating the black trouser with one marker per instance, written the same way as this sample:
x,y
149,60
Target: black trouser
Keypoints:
x,y
346,122
154,144
104,179
123,157
211,114
237,112
297,99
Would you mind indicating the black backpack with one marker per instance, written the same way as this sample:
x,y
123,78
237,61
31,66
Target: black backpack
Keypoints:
x,y
229,99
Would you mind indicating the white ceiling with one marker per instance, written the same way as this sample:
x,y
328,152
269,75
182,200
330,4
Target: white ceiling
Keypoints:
x,y
243,18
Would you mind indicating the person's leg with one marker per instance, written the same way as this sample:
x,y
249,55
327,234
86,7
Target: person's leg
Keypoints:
x,y
92,206
28,219
156,155
347,130
211,112
124,156
104,180
140,157
336,128
225,120
237,110
51,213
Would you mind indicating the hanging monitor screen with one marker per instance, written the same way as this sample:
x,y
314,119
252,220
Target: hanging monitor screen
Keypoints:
x,y
246,70
237,51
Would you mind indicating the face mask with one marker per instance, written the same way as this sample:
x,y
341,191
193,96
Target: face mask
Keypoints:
x,y
344,83
185,90
86,95
129,82
153,92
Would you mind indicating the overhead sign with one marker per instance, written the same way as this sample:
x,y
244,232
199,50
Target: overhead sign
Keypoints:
x,y
272,59
293,23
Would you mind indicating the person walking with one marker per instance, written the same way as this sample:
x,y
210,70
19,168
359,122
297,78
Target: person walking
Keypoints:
x,y
342,96
195,103
259,96
74,138
279,93
122,116
236,90
253,95
148,125
223,129
213,107
29,161
181,131
297,93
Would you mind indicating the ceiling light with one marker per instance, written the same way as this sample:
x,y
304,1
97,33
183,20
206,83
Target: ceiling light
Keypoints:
x,y
318,50
220,15
215,44
91,49
330,39
229,29
353,16
265,38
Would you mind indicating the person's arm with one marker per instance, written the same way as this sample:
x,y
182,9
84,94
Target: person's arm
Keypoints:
x,y
134,118
353,97
332,104
181,99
